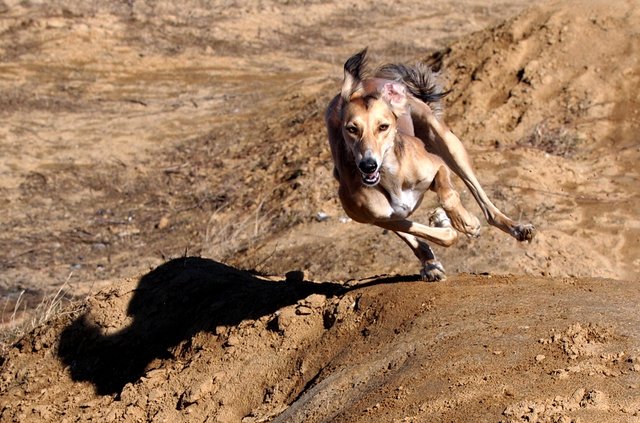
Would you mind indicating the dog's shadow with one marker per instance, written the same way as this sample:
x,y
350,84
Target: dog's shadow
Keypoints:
x,y
171,304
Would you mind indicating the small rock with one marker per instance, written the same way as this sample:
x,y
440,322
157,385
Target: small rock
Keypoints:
x,y
156,395
315,300
345,305
322,216
197,392
129,394
284,318
53,23
540,357
577,395
303,310
232,341
163,223
156,375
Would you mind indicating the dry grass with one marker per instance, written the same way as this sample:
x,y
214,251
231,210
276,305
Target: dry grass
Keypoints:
x,y
555,140
226,234
24,319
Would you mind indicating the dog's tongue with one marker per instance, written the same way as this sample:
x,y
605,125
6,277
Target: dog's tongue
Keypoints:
x,y
371,177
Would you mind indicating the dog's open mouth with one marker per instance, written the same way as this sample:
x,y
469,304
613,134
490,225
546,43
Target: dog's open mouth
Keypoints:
x,y
371,178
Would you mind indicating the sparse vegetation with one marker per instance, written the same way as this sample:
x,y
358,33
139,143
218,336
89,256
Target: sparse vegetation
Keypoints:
x,y
23,319
555,140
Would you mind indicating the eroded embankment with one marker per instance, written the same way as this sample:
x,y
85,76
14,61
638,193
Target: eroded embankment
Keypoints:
x,y
194,340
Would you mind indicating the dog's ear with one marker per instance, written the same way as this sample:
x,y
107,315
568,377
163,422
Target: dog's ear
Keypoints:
x,y
353,73
396,95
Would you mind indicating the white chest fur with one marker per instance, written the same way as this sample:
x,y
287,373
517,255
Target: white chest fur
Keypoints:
x,y
405,202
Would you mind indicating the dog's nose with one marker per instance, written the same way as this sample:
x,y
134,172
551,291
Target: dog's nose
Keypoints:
x,y
368,165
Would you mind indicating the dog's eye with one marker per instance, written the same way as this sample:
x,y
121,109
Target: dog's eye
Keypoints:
x,y
383,127
352,129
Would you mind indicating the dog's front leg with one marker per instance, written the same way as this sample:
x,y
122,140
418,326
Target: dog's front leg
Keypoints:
x,y
445,236
447,145
432,269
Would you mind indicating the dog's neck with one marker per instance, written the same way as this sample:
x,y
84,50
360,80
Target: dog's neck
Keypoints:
x,y
405,123
390,169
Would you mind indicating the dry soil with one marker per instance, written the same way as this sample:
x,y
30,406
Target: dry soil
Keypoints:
x,y
164,167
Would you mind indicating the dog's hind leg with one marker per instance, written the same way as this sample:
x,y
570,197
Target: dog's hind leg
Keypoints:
x,y
449,199
432,269
439,139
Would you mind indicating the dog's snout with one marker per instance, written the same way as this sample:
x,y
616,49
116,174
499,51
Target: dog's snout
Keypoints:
x,y
368,165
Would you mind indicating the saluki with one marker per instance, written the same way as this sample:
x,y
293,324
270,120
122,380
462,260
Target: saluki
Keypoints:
x,y
390,145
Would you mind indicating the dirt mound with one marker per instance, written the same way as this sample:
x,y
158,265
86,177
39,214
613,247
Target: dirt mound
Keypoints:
x,y
195,340
553,93
551,122
162,135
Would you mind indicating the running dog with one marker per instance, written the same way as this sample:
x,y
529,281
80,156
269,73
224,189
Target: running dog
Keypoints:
x,y
390,146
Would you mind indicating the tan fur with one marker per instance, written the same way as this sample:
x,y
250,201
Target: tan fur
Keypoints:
x,y
373,122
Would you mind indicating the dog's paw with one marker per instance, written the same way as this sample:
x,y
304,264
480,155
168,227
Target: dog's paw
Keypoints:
x,y
439,219
433,272
460,219
469,225
523,232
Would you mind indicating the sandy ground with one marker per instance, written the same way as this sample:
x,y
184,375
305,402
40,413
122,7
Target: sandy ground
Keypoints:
x,y
158,159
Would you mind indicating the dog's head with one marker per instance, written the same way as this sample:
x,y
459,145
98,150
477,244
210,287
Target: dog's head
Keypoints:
x,y
369,118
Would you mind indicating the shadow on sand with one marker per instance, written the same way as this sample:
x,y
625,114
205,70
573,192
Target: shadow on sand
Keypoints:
x,y
171,304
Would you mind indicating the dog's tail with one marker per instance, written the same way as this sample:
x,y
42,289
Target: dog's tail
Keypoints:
x,y
419,79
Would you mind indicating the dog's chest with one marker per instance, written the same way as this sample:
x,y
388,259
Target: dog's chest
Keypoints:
x,y
405,201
